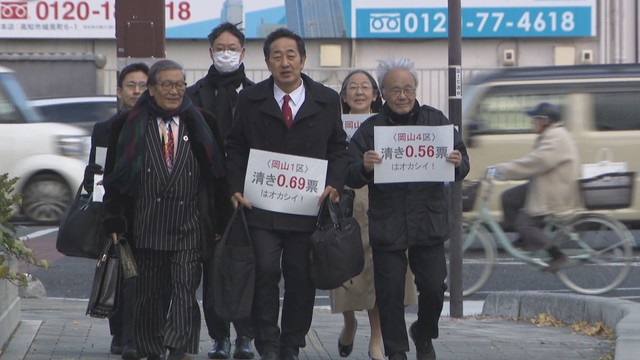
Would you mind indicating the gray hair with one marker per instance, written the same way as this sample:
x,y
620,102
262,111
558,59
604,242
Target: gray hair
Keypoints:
x,y
163,65
387,65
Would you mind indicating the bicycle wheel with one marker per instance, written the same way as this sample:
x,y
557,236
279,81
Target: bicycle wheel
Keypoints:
x,y
478,257
600,249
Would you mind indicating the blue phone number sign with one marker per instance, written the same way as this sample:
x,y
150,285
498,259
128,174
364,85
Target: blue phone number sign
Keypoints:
x,y
476,22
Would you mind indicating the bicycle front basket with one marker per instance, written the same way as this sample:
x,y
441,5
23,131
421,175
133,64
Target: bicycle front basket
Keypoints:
x,y
608,191
469,194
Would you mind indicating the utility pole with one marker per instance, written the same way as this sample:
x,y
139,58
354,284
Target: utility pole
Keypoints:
x,y
455,115
140,31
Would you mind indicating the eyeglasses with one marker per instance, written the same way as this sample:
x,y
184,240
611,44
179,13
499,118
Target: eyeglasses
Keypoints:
x,y
230,52
539,117
355,87
168,85
142,85
396,91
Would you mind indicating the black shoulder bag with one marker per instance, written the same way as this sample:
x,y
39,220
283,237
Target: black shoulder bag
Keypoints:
x,y
234,270
336,254
80,233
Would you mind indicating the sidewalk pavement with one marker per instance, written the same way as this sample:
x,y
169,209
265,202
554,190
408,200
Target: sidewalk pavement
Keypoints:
x,y
55,328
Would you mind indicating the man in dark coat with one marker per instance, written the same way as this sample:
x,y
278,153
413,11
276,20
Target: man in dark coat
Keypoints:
x,y
132,81
218,92
410,215
164,190
288,113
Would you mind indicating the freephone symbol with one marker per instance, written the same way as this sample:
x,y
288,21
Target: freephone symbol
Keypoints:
x,y
13,10
388,23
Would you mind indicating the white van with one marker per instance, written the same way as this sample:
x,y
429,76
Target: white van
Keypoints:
x,y
600,108
47,158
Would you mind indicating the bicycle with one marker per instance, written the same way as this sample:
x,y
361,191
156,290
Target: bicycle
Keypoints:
x,y
592,241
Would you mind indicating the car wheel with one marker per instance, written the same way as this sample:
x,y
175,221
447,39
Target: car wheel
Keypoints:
x,y
45,198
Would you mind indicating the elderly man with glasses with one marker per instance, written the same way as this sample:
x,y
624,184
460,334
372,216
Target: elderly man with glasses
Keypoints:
x,y
165,192
405,216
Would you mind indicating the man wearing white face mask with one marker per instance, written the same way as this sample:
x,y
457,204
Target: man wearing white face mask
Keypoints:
x,y
217,92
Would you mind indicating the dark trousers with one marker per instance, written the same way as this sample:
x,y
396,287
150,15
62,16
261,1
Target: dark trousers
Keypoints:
x,y
429,266
219,328
286,254
167,311
121,324
516,218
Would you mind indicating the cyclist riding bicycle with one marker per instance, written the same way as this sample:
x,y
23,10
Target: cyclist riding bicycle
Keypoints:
x,y
552,168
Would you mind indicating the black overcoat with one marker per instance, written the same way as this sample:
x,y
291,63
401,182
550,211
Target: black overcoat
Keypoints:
x,y
316,132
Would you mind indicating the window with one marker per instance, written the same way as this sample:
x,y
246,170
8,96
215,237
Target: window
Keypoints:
x,y
617,111
502,112
79,112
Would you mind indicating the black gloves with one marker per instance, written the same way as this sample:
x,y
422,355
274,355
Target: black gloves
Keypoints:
x,y
89,172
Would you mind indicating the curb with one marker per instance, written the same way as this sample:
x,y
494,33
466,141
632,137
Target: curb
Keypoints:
x,y
618,314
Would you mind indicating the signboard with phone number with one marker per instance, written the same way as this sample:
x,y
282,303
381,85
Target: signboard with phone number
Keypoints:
x,y
373,19
476,22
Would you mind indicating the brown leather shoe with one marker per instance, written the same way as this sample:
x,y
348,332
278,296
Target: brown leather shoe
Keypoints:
x,y
557,264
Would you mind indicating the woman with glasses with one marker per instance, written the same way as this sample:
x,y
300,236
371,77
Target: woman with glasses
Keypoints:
x,y
360,95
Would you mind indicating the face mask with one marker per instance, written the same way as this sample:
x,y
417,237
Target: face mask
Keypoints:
x,y
226,62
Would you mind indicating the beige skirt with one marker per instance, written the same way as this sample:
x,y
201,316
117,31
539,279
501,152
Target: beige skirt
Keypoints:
x,y
359,292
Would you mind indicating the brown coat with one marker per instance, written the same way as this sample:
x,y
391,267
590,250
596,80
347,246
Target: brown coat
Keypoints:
x,y
359,293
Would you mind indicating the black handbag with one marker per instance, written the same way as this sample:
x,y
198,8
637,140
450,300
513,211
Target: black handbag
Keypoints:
x,y
336,254
233,271
347,198
80,233
103,301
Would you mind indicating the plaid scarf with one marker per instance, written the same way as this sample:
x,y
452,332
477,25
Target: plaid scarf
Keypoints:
x,y
130,149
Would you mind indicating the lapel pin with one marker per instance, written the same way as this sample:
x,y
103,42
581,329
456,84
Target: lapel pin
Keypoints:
x,y
185,138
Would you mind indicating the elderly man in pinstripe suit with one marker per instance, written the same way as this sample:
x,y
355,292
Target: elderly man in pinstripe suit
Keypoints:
x,y
164,191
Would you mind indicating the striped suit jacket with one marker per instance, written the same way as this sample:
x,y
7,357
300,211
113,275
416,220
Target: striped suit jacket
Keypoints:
x,y
213,205
166,208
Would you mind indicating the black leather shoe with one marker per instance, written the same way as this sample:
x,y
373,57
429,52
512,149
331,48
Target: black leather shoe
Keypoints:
x,y
243,348
130,353
177,354
398,356
345,350
155,357
424,348
116,346
221,349
270,355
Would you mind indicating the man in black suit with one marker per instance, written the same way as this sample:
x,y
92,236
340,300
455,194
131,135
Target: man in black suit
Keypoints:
x,y
217,92
165,191
132,81
311,127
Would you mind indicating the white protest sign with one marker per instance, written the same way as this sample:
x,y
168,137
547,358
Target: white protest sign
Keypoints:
x,y
284,183
351,123
101,155
98,188
413,153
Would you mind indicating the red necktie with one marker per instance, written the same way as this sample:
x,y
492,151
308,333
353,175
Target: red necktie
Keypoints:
x,y
287,114
168,149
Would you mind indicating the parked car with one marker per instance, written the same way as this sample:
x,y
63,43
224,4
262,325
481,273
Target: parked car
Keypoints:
x,y
600,108
82,111
47,158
